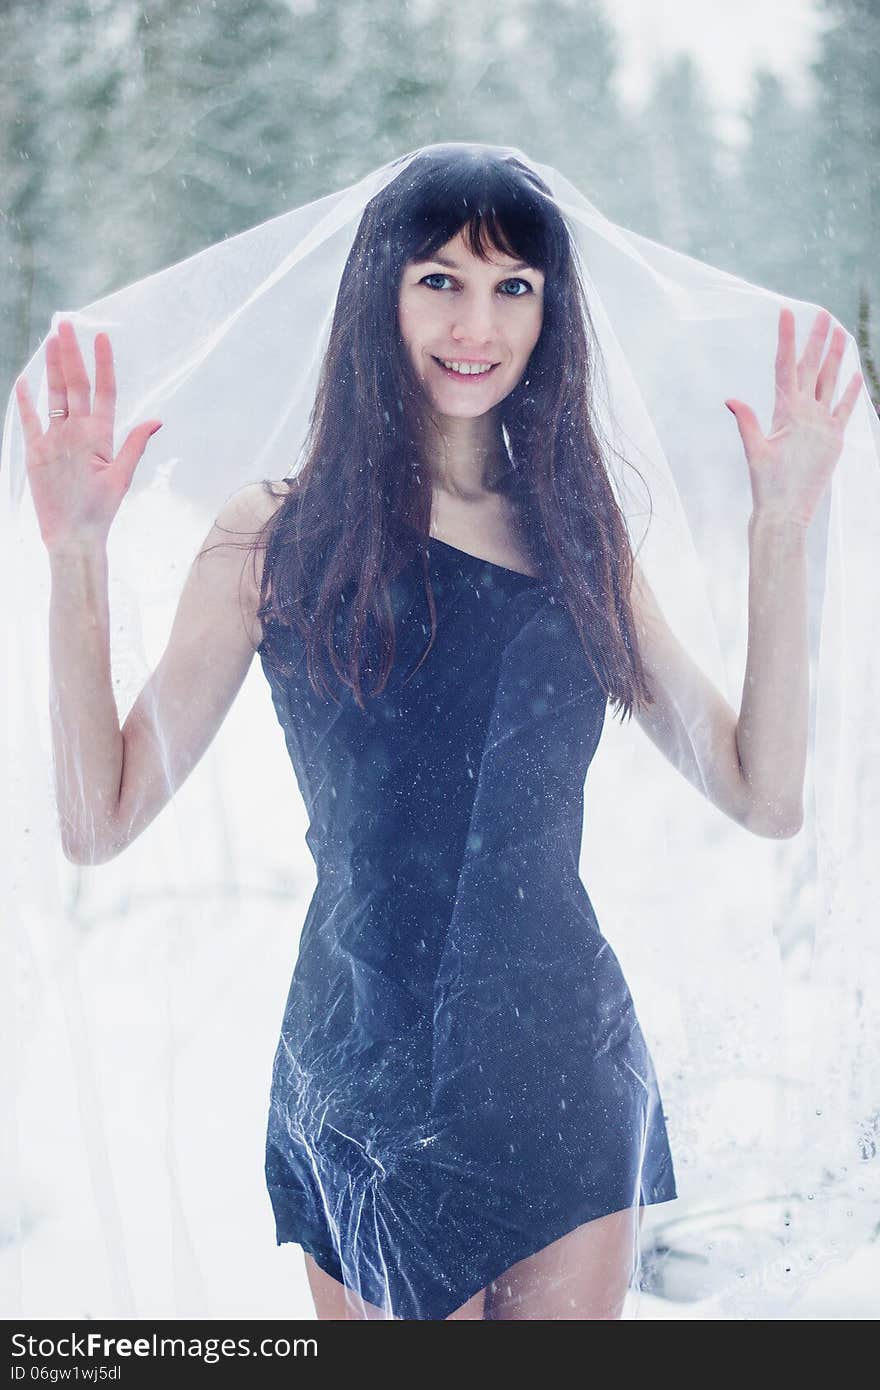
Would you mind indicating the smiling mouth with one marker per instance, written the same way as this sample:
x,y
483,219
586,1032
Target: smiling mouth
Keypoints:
x,y
464,376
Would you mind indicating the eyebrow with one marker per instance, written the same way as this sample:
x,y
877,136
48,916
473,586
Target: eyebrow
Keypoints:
x,y
453,265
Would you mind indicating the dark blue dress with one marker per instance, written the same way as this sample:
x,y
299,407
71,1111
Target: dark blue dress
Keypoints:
x,y
461,1076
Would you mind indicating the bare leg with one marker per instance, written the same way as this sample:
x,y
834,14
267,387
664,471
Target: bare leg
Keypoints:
x,y
584,1275
474,1310
334,1302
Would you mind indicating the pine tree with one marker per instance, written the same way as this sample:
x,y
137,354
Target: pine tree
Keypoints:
x,y
846,138
863,340
775,199
688,186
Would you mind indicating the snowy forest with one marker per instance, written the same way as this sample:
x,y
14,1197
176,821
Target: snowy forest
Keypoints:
x,y
136,132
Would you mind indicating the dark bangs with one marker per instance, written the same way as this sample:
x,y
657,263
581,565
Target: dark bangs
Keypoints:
x,y
496,204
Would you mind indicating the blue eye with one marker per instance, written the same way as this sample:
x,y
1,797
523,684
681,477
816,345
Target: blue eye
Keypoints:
x,y
438,275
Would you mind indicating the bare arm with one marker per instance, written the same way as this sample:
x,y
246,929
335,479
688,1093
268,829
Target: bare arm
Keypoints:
x,y
753,766
87,743
749,767
771,732
113,782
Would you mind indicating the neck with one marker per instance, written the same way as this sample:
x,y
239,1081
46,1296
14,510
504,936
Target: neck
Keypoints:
x,y
467,457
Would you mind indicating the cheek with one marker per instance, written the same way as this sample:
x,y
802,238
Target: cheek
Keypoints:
x,y
410,321
531,334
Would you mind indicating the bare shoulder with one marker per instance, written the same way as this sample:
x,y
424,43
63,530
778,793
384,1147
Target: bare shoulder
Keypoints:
x,y
235,533
249,508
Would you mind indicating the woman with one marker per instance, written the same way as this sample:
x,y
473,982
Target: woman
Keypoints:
x,y
465,1120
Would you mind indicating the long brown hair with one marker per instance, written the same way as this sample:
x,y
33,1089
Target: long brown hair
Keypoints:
x,y
359,506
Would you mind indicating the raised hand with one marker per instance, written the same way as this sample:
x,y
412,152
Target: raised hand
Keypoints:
x,y
791,467
76,483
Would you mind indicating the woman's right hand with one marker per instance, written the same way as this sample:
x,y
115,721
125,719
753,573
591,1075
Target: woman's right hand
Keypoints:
x,y
76,484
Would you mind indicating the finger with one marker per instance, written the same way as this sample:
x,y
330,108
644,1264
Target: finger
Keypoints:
x,y
105,379
55,380
786,377
826,382
846,404
809,363
79,390
747,424
30,420
129,455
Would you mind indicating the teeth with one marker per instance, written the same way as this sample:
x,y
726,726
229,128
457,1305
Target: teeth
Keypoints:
x,y
469,368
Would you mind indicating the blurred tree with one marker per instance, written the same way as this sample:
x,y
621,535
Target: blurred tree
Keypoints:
x,y
846,135
863,338
60,118
567,59
392,79
136,132
545,81
773,205
23,234
213,119
686,185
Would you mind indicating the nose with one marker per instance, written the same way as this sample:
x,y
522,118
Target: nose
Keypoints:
x,y
475,320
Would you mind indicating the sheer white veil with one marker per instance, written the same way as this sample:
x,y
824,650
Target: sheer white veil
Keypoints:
x,y
142,997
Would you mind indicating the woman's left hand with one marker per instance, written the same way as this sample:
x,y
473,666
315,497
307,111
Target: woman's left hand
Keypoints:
x,y
791,467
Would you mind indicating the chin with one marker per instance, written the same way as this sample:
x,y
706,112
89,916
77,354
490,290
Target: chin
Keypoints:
x,y
451,404
457,411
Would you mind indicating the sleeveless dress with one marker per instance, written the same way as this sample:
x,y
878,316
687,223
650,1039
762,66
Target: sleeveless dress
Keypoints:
x,y
461,1077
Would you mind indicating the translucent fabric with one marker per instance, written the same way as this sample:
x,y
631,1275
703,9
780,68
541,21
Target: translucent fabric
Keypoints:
x,y
524,974
461,1078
